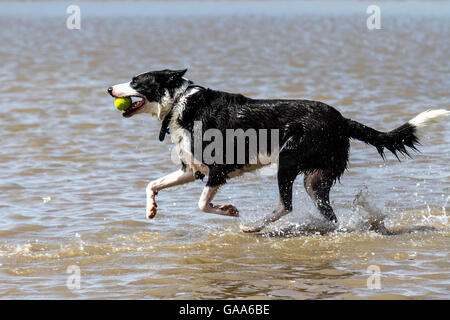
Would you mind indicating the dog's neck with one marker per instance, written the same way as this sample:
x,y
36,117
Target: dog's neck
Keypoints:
x,y
168,104
169,101
179,93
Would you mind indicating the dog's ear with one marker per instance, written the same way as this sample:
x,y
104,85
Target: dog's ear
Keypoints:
x,y
176,74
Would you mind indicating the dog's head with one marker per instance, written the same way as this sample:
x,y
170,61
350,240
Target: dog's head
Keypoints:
x,y
155,92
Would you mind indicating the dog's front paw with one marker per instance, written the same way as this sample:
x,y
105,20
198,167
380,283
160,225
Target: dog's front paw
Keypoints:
x,y
152,211
229,210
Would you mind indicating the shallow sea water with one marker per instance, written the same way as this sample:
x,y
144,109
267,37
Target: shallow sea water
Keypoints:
x,y
73,171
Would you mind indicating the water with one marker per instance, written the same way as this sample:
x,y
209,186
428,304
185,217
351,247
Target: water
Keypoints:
x,y
73,172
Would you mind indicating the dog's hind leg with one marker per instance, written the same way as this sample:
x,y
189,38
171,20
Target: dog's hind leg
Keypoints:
x,y
206,205
174,179
287,172
318,184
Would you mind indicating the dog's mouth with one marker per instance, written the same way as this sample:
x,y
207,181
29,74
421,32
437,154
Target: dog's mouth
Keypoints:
x,y
135,106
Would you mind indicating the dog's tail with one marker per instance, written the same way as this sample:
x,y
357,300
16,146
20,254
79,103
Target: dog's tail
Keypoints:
x,y
407,135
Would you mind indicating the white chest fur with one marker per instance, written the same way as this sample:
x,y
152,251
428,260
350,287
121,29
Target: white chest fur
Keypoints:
x,y
182,138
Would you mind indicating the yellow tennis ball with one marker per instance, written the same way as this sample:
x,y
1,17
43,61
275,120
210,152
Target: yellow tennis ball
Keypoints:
x,y
122,103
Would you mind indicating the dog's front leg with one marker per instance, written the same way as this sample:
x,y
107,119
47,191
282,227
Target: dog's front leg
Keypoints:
x,y
174,179
205,204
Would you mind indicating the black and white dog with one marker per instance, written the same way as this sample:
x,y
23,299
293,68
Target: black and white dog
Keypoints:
x,y
312,138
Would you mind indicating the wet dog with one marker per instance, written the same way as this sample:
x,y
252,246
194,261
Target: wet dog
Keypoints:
x,y
311,138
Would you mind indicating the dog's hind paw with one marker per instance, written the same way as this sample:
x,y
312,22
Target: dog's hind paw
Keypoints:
x,y
252,229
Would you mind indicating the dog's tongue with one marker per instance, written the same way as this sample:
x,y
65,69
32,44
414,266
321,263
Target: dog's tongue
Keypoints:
x,y
134,106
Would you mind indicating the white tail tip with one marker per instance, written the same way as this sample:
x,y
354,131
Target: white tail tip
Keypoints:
x,y
425,118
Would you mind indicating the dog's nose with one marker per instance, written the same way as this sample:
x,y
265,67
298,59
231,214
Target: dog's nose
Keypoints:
x,y
110,89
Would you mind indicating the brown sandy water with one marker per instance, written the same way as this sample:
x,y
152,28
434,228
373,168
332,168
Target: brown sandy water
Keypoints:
x,y
73,171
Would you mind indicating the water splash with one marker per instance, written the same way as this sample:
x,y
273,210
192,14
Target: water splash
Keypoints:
x,y
368,216
364,216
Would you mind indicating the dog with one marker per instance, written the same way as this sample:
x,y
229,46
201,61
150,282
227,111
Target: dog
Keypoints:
x,y
313,139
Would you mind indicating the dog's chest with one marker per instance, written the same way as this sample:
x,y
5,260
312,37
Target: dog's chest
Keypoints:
x,y
181,138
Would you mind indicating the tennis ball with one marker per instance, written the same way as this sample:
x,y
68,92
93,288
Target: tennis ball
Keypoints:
x,y
122,103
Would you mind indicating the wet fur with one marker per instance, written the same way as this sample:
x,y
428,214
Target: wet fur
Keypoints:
x,y
314,138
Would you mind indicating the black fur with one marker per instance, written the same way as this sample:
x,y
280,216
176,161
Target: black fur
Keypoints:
x,y
395,141
154,84
313,132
